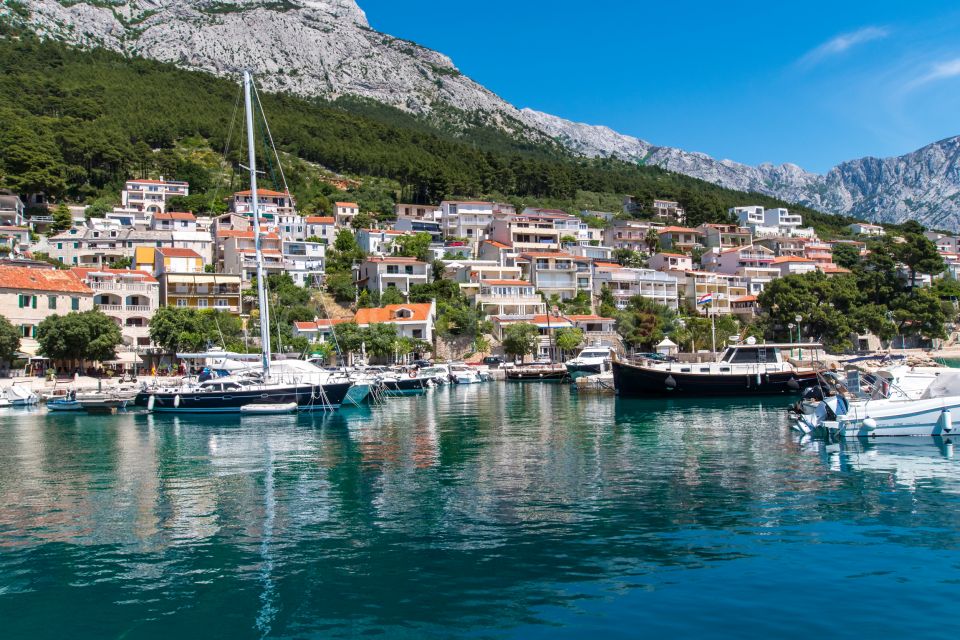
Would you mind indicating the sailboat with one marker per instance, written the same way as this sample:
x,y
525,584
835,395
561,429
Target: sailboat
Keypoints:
x,y
249,388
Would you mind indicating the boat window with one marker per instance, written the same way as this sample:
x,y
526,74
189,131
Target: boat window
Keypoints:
x,y
753,356
704,369
231,386
724,369
684,369
727,355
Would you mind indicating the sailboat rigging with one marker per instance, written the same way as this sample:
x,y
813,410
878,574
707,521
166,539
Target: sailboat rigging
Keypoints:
x,y
288,382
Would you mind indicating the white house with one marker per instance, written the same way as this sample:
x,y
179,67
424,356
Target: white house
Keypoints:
x,y
379,273
150,196
864,229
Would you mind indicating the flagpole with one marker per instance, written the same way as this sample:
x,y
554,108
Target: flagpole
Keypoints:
x,y
713,330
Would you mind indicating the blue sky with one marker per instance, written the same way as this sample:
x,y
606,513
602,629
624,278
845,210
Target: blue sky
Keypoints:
x,y
813,82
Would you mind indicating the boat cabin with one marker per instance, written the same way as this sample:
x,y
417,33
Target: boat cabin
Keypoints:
x,y
752,354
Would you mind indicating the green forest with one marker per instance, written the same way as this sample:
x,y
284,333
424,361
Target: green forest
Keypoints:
x,y
74,124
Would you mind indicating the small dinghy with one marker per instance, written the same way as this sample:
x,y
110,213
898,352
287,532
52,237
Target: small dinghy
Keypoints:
x,y
64,404
268,409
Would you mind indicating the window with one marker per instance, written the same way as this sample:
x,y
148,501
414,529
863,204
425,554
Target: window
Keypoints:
x,y
75,304
181,302
76,245
51,302
221,303
202,303
59,245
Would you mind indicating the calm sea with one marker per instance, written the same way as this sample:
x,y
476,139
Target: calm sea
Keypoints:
x,y
496,510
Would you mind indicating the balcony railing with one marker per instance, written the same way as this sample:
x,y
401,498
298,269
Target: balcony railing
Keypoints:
x,y
130,308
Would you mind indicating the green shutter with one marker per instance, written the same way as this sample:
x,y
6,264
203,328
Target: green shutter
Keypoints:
x,y
33,302
20,301
75,304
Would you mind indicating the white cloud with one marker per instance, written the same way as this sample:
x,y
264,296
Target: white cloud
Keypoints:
x,y
938,71
841,44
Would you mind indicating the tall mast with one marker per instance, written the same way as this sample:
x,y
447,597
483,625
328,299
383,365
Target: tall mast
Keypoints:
x,y
261,275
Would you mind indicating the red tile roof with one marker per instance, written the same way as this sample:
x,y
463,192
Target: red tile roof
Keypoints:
x,y
347,204
420,311
498,245
53,280
175,215
679,230
320,220
783,259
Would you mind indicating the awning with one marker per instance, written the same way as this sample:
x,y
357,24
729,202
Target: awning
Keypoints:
x,y
198,278
125,357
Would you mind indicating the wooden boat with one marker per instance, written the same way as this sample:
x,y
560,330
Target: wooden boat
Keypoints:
x,y
538,373
743,369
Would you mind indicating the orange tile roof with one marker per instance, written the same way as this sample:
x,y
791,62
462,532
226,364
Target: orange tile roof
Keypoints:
x,y
608,265
506,283
498,245
175,215
261,192
679,230
347,204
783,259
674,255
320,220
176,252
420,311
54,280
744,299
592,316
83,272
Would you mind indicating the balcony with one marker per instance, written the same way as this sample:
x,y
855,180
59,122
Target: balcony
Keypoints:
x,y
112,286
130,308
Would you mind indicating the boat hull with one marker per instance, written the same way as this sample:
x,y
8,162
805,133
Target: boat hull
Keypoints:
x,y
912,418
306,397
581,370
639,381
530,375
406,386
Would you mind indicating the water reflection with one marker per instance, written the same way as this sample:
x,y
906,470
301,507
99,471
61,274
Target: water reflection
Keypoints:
x,y
497,507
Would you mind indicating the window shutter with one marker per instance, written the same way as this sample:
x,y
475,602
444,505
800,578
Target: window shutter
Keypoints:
x,y
33,302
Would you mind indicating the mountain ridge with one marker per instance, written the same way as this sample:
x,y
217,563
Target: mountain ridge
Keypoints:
x,y
327,48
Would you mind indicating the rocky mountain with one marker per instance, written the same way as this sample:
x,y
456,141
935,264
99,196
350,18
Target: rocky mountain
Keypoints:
x,y
326,47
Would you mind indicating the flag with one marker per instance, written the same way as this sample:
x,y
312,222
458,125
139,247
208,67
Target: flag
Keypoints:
x,y
706,298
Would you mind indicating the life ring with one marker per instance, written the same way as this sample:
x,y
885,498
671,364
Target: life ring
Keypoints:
x,y
413,374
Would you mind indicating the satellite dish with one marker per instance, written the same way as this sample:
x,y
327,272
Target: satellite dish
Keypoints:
x,y
751,340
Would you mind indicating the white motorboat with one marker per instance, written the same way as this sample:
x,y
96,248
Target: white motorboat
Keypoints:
x,y
590,362
464,374
904,401
19,396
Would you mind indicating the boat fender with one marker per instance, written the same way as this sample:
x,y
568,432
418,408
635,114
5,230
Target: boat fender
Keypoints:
x,y
176,401
870,424
151,401
946,421
793,385
670,382
758,379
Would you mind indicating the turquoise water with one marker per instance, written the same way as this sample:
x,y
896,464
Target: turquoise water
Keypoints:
x,y
489,511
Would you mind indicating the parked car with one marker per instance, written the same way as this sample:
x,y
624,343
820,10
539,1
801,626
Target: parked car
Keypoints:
x,y
422,363
494,362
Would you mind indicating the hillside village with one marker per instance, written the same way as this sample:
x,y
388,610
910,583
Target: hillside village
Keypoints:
x,y
582,277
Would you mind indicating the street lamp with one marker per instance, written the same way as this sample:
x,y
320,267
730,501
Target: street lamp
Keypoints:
x,y
790,333
799,319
